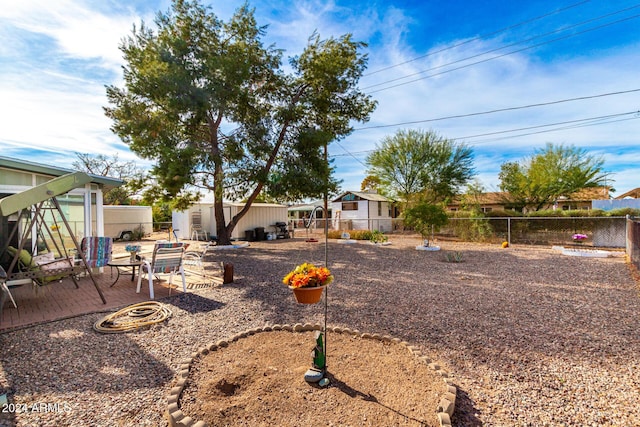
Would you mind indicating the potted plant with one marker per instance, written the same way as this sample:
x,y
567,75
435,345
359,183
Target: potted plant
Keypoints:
x,y
133,251
307,282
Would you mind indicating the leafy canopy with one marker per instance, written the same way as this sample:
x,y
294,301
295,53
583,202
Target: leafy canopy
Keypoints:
x,y
420,163
212,106
552,172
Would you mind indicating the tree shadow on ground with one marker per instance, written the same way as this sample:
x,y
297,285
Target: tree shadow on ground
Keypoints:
x,y
194,303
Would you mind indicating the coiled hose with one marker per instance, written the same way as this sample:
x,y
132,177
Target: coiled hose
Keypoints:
x,y
133,317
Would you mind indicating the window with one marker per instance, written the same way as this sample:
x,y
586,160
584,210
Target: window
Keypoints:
x,y
349,206
485,210
379,208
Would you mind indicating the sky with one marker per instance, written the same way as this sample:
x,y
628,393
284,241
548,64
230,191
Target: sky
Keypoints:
x,y
503,77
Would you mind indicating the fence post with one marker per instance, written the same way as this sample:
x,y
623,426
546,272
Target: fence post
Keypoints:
x,y
509,230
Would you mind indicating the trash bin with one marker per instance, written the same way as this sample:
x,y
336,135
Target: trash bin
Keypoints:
x,y
249,235
260,233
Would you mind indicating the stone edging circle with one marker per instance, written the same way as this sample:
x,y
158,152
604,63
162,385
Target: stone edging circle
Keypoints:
x,y
177,418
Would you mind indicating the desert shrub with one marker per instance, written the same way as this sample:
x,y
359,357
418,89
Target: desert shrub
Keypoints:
x,y
354,234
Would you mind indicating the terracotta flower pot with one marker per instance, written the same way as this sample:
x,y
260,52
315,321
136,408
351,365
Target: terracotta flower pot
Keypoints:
x,y
308,295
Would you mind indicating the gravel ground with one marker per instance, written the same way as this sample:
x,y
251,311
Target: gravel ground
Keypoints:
x,y
531,337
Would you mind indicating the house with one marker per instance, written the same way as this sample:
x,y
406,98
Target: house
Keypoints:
x,y
630,199
82,206
360,210
499,201
199,220
298,214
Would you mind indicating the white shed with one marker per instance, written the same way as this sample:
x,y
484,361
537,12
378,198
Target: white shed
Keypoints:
x,y
201,215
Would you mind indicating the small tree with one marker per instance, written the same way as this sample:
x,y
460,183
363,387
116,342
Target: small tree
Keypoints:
x,y
113,167
552,172
425,218
417,164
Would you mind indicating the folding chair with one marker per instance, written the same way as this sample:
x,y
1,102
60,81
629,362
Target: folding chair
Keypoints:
x,y
167,259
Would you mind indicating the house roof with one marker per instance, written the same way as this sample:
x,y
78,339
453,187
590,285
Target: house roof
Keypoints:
x,y
500,197
308,206
632,194
588,194
375,197
28,166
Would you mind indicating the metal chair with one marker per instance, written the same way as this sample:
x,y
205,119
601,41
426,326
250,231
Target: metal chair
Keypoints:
x,y
195,259
167,259
5,289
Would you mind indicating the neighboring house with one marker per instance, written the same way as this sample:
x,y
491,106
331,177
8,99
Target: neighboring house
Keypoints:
x,y
200,218
82,206
498,201
359,210
298,214
630,199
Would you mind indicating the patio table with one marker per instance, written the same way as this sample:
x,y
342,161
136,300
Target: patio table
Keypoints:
x,y
124,264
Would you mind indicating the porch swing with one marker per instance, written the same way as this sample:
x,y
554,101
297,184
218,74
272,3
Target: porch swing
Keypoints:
x,y
39,215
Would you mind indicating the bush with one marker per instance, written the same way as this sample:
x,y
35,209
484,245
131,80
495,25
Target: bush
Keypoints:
x,y
354,234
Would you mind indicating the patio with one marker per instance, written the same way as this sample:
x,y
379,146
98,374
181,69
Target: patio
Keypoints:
x,y
61,299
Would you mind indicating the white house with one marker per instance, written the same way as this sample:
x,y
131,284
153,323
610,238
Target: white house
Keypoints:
x,y
82,206
200,218
359,210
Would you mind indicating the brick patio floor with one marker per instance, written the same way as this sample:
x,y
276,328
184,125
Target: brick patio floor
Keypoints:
x,y
61,299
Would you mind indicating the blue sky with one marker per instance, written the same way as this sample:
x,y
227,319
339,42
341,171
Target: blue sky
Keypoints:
x,y
428,61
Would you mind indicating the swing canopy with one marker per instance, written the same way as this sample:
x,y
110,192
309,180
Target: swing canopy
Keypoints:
x,y
41,221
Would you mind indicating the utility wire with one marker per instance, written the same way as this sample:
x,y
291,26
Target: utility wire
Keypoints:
x,y
480,37
559,30
509,53
548,125
578,123
540,104
575,126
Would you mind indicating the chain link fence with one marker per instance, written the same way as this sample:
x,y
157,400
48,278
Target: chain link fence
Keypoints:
x,y
600,231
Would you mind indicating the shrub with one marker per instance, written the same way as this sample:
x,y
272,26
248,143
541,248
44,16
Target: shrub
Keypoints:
x,y
354,234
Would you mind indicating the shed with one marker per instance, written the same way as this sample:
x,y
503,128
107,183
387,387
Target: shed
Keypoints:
x,y
201,215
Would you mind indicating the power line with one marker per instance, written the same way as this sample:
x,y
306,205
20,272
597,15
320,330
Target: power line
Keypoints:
x,y
561,128
541,104
578,123
506,46
547,125
480,37
508,53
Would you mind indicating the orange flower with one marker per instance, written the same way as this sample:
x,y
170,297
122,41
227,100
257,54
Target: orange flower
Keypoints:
x,y
308,275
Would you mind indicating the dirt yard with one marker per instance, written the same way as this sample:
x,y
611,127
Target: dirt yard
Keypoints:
x,y
259,381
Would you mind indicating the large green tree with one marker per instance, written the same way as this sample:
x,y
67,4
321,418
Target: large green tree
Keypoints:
x,y
216,110
416,164
552,172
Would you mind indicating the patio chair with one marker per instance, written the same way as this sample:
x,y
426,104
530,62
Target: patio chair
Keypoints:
x,y
195,259
167,259
97,250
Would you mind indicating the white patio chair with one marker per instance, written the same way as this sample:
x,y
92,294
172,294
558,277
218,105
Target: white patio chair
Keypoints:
x,y
167,259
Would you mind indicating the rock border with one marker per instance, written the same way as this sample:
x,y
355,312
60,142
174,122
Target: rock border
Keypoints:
x,y
177,418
